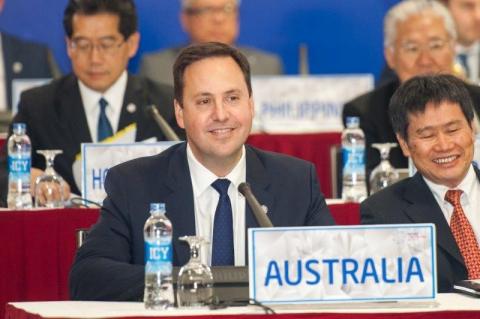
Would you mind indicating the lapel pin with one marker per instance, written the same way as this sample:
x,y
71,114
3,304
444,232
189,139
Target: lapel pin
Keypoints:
x,y
265,209
131,108
17,67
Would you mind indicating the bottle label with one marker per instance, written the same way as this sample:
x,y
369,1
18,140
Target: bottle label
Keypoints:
x,y
158,257
353,160
19,167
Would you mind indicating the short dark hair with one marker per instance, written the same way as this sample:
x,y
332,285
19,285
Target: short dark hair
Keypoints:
x,y
124,9
197,52
413,96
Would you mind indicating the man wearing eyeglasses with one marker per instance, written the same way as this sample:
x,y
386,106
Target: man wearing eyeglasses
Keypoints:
x,y
99,99
419,39
208,21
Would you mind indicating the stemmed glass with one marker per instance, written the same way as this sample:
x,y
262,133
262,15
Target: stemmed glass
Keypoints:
x,y
48,186
384,174
195,280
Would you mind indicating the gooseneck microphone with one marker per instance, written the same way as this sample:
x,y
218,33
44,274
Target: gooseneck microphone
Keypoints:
x,y
162,124
258,212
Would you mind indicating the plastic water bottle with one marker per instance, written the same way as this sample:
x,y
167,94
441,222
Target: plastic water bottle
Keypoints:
x,y
158,259
354,187
19,164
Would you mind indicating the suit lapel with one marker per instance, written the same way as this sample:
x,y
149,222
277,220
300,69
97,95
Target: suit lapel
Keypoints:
x,y
422,207
133,95
180,207
69,107
259,182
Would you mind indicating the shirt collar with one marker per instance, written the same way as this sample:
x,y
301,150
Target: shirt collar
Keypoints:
x,y
202,178
467,186
470,50
114,95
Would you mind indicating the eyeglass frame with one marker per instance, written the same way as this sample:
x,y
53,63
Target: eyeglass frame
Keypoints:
x,y
433,46
208,11
102,48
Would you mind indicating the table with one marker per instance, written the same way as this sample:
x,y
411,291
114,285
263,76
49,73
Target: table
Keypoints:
x,y
448,306
38,248
311,147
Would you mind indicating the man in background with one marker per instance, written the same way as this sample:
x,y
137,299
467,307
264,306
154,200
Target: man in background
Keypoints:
x,y
466,14
432,118
198,182
205,21
419,38
21,59
99,99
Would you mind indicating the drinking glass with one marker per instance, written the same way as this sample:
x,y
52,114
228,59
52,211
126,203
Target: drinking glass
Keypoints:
x,y
48,186
384,174
195,280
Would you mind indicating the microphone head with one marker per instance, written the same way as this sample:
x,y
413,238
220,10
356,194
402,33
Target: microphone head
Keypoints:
x,y
244,188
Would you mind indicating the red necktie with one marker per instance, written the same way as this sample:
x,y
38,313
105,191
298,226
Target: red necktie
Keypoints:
x,y
464,236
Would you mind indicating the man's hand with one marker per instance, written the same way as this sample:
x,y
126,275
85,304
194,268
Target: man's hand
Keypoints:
x,y
45,192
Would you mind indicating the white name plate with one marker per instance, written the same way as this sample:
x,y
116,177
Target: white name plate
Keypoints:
x,y
342,263
297,104
97,158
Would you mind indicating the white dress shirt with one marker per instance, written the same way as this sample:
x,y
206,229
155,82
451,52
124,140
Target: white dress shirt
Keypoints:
x,y
472,52
114,97
470,199
3,81
205,200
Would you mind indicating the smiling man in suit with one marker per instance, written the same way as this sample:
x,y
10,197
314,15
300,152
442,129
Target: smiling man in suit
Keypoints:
x,y
196,179
99,98
432,118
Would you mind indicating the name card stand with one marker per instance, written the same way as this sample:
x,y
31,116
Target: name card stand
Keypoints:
x,y
340,264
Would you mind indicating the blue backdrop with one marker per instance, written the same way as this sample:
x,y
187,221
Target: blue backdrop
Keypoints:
x,y
343,36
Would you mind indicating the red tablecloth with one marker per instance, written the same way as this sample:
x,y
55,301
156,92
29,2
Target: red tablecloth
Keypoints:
x,y
38,247
311,147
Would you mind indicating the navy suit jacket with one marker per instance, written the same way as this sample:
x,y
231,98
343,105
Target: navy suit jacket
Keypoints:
x,y
411,201
25,60
110,264
56,119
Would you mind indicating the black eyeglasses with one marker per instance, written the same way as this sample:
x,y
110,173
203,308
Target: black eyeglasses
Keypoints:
x,y
104,47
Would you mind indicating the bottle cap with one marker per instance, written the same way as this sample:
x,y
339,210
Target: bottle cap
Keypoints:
x,y
157,207
19,127
353,121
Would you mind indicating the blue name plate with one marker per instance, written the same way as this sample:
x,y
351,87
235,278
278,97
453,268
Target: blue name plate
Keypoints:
x,y
342,263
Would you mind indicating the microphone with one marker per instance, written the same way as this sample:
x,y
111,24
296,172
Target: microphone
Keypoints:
x,y
162,124
260,215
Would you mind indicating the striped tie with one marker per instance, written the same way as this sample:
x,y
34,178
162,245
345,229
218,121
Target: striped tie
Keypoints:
x,y
464,236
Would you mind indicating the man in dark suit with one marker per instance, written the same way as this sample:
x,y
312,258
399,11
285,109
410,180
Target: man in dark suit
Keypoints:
x,y
432,118
205,21
419,39
24,60
213,102
101,38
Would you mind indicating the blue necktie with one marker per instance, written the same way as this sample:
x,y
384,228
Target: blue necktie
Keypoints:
x,y
104,129
222,246
463,59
